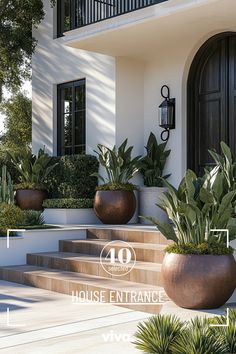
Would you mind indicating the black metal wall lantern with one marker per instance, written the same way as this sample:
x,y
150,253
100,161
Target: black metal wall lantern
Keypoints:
x,y
167,113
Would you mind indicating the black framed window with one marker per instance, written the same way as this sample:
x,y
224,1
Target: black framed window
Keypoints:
x,y
71,126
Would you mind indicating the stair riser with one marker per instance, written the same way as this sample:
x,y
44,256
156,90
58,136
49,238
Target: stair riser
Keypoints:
x,y
67,287
128,235
135,275
143,255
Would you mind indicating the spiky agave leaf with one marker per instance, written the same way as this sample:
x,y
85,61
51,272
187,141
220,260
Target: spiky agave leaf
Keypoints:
x,y
158,334
198,338
227,334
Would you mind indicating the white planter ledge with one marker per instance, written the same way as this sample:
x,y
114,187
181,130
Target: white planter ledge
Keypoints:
x,y
33,241
70,216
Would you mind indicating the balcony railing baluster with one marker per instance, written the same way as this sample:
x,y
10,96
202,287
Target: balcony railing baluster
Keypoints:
x,y
86,12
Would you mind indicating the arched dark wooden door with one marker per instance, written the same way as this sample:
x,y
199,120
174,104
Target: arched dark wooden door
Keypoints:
x,y
212,100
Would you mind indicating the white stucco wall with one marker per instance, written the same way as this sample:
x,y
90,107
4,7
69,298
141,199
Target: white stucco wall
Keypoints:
x,y
123,92
53,64
130,102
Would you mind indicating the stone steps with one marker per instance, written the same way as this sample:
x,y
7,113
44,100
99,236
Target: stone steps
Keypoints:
x,y
143,272
77,267
117,292
132,234
145,252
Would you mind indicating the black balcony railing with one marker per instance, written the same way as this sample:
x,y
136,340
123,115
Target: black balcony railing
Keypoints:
x,y
79,13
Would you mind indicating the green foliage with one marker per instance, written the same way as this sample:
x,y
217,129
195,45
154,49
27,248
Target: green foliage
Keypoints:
x,y
198,337
33,169
158,334
227,334
153,164
72,178
17,18
6,187
33,186
168,335
33,217
119,165
18,121
226,166
11,217
196,207
5,160
116,187
214,248
68,203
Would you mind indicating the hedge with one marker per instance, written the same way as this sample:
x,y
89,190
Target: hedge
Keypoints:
x,y
71,178
68,203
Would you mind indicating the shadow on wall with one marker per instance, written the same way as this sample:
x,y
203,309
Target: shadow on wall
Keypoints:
x,y
54,64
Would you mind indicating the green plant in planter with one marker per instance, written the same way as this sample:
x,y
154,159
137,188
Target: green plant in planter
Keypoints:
x,y
197,206
119,165
6,187
225,165
33,169
152,165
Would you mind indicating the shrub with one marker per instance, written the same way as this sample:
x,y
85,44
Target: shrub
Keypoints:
x,y
118,163
11,217
195,208
5,160
116,187
72,178
68,203
164,334
227,334
158,334
199,338
213,248
33,169
153,163
6,187
33,217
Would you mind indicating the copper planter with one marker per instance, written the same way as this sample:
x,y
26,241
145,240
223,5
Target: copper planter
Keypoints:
x,y
199,281
31,199
114,207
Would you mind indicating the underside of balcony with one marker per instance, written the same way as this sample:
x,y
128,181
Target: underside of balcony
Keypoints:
x,y
145,32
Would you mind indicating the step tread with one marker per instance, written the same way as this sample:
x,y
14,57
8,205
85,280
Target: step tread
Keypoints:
x,y
94,259
103,242
82,278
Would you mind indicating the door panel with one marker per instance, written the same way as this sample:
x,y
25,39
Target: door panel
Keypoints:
x,y
232,94
211,100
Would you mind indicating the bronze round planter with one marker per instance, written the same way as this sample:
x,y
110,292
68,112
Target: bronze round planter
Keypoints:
x,y
114,207
199,281
31,199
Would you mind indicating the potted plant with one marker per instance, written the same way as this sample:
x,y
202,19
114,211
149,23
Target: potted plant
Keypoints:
x,y
33,169
199,270
152,166
115,201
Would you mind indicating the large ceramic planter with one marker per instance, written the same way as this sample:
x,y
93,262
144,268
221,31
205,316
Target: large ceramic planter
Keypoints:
x,y
31,199
114,207
149,197
199,281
